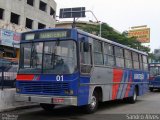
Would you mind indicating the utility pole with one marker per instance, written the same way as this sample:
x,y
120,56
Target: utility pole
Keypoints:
x,y
100,29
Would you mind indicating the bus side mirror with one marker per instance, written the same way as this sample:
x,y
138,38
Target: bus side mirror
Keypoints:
x,y
86,46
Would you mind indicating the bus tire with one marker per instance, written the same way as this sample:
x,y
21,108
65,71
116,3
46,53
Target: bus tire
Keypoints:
x,y
151,89
47,107
133,98
92,107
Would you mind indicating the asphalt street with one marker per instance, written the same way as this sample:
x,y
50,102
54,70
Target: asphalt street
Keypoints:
x,y
147,107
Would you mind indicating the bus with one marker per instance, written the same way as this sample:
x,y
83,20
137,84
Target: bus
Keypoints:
x,y
154,76
72,67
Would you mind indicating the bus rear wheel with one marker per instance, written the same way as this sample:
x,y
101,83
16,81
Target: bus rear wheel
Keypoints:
x,y
133,99
92,107
151,89
47,107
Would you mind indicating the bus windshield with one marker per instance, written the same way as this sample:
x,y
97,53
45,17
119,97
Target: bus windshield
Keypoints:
x,y
154,70
56,57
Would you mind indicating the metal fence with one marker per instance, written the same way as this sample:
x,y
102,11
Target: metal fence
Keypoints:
x,y
8,72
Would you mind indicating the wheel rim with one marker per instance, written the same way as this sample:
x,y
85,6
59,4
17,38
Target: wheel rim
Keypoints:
x,y
135,95
93,102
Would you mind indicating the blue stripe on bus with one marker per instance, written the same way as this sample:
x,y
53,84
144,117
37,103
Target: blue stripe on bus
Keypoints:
x,y
143,88
83,91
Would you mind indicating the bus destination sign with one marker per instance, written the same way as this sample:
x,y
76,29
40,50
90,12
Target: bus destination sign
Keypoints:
x,y
155,65
30,36
46,35
53,34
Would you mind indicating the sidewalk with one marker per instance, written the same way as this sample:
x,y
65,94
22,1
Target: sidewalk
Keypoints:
x,y
7,101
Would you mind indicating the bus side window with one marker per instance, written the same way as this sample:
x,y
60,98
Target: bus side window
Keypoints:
x,y
108,55
85,59
98,53
140,62
128,58
119,57
145,63
135,60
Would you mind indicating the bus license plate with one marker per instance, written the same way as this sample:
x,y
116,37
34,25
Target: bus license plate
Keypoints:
x,y
58,100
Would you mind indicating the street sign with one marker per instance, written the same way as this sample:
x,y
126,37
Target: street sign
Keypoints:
x,y
72,12
141,34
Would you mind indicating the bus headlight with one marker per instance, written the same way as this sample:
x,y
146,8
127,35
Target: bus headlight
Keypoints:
x,y
69,92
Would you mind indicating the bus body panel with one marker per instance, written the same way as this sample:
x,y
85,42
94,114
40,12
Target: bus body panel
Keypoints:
x,y
117,83
155,83
83,90
47,84
102,77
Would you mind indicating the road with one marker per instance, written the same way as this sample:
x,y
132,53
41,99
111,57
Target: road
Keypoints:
x,y
148,104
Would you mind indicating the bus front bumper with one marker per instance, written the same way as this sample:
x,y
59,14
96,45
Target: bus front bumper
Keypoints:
x,y
61,100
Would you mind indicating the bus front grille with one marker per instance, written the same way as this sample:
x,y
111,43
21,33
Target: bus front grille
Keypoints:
x,y
38,87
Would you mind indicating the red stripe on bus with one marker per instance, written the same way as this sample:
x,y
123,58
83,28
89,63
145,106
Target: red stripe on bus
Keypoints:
x,y
25,77
128,86
117,77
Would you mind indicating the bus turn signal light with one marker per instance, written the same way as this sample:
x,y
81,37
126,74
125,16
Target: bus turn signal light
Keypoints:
x,y
68,92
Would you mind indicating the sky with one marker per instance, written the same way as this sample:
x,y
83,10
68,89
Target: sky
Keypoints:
x,y
122,14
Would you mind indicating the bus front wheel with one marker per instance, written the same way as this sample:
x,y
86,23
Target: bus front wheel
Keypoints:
x,y
47,107
92,107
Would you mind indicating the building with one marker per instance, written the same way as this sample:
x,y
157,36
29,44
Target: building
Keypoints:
x,y
157,52
157,55
23,15
18,15
9,43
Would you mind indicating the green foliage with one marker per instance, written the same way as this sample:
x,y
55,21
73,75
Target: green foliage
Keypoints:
x,y
109,33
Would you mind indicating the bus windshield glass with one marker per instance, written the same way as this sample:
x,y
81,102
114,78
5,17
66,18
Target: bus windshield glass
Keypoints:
x,y
154,70
56,57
